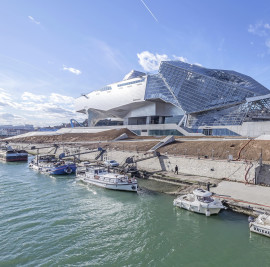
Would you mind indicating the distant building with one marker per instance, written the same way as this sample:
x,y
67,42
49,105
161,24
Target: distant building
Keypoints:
x,y
11,130
183,99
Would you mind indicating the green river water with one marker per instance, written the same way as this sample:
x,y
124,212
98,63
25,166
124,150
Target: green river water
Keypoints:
x,y
56,221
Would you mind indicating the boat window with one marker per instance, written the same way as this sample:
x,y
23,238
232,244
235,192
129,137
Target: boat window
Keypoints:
x,y
208,199
205,199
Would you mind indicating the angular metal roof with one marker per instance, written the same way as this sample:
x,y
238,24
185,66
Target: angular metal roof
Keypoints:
x,y
133,74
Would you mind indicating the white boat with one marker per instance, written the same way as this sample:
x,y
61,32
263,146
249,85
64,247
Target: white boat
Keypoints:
x,y
260,225
200,201
99,176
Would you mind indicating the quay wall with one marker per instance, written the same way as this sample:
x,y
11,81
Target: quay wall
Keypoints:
x,y
240,171
218,169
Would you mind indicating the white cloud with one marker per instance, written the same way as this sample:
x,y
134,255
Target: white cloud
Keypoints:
x,y
8,118
72,70
45,104
259,29
151,62
262,30
30,96
40,110
60,99
33,20
267,26
5,97
180,58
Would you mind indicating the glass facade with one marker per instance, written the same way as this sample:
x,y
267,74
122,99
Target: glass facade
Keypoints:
x,y
198,89
129,83
208,97
226,116
174,119
258,110
133,74
164,132
157,89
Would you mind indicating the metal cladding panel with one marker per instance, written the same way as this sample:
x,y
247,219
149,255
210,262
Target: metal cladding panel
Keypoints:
x,y
157,89
198,89
228,76
227,116
258,110
133,74
119,94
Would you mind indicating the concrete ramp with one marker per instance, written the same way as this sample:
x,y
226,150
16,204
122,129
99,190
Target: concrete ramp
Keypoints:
x,y
121,137
263,137
167,140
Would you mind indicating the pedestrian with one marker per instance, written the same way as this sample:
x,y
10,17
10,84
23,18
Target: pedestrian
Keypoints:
x,y
176,169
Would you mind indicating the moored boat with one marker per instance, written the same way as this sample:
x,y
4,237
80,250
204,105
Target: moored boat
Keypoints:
x,y
260,225
200,201
8,154
48,164
99,176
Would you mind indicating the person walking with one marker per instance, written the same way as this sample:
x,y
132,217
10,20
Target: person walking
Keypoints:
x,y
176,169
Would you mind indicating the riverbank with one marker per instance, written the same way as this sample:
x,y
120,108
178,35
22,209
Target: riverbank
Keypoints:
x,y
214,147
243,198
194,171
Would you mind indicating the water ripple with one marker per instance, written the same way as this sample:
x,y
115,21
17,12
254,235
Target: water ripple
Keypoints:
x,y
50,221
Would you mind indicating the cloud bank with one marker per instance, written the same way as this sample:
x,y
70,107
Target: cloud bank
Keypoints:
x,y
151,62
37,109
262,30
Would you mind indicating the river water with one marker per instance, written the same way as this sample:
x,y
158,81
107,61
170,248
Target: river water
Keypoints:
x,y
52,221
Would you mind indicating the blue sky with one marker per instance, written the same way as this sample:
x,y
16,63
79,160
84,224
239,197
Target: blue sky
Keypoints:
x,y
52,51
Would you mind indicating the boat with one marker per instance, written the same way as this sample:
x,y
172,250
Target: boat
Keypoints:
x,y
9,154
99,176
49,164
260,225
200,201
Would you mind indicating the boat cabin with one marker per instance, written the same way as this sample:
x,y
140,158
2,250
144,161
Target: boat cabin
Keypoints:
x,y
44,159
97,170
203,195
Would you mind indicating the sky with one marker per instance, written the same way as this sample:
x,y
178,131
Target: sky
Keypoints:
x,y
51,52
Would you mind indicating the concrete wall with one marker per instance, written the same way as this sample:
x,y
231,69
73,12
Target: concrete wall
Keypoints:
x,y
218,169
250,129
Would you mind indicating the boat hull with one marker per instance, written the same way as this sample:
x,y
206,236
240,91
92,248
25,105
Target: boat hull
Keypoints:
x,y
259,229
131,187
7,157
197,208
61,170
